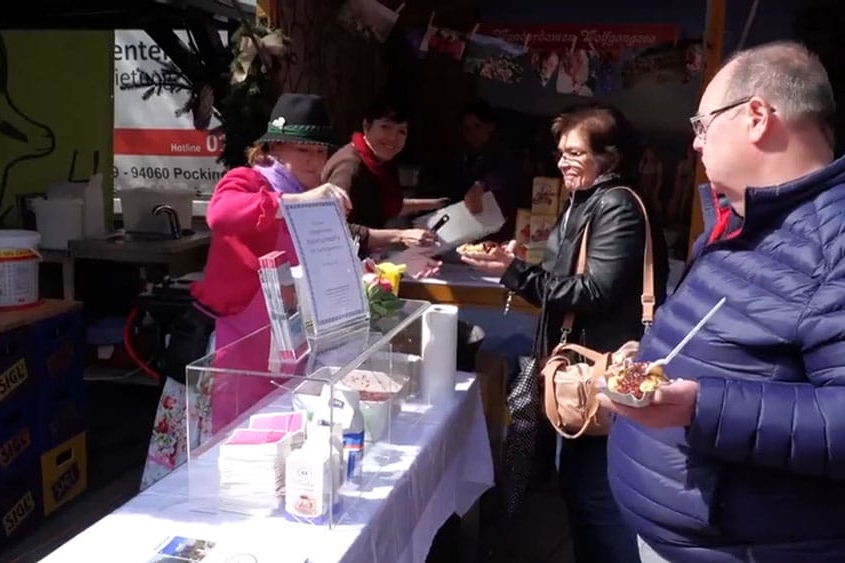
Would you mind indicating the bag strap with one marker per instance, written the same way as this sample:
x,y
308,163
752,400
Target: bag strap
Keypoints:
x,y
647,297
553,365
591,355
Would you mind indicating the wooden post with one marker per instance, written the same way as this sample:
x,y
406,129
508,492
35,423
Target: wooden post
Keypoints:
x,y
714,35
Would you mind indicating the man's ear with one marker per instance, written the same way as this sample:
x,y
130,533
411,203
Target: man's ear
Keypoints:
x,y
758,115
365,126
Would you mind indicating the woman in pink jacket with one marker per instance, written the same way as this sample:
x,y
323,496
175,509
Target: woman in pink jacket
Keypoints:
x,y
245,221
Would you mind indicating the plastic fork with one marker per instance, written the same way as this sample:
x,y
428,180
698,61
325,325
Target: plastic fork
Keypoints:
x,y
677,349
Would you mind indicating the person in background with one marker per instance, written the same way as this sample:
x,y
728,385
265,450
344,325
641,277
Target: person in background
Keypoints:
x,y
651,179
741,457
245,222
598,152
678,213
366,170
484,164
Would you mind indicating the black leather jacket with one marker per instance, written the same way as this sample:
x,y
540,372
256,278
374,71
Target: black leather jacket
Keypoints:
x,y
606,299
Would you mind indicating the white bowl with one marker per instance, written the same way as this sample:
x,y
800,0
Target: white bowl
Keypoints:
x,y
377,413
629,400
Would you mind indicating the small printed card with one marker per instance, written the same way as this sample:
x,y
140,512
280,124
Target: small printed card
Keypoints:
x,y
286,319
230,549
180,549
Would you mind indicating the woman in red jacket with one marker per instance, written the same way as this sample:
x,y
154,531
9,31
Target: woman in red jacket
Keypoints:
x,y
245,221
366,169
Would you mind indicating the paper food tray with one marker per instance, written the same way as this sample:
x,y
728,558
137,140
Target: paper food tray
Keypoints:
x,y
463,226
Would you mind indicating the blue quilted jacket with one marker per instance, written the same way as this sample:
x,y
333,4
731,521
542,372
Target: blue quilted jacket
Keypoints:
x,y
760,473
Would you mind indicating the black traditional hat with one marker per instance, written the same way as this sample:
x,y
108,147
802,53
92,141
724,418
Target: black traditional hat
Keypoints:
x,y
299,118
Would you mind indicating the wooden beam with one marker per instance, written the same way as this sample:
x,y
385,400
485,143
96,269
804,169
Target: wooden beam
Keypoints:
x,y
714,36
268,10
488,297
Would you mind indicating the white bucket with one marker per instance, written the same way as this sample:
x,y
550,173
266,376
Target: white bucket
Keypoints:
x,y
18,268
58,221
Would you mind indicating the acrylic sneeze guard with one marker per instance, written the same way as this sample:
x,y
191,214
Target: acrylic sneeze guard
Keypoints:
x,y
274,439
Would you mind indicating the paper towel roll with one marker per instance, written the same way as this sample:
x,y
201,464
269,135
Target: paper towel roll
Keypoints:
x,y
439,353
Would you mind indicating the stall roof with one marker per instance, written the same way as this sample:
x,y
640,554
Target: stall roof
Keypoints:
x,y
116,14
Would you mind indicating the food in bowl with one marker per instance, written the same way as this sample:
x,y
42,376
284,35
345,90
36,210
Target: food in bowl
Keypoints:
x,y
634,378
485,247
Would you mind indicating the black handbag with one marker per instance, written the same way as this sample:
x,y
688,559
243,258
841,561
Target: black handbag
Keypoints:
x,y
189,336
523,401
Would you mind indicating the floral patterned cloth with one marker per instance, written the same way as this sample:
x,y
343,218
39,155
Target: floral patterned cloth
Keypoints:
x,y
169,443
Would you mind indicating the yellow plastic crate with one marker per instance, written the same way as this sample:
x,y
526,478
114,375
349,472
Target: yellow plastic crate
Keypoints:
x,y
64,473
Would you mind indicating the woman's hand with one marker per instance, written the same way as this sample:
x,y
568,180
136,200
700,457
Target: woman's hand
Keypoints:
x,y
417,237
495,262
474,198
420,205
326,191
419,263
433,204
673,406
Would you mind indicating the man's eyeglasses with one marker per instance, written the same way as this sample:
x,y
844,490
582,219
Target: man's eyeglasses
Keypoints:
x,y
700,127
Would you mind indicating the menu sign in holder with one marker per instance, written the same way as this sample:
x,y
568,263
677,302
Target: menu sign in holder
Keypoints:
x,y
332,273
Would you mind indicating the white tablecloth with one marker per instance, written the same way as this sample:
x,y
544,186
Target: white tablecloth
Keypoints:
x,y
438,462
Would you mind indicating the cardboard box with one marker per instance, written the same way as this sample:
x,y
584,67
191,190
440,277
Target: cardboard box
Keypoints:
x,y
64,473
522,232
545,193
541,226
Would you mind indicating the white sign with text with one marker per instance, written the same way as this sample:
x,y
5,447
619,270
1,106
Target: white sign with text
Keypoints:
x,y
330,266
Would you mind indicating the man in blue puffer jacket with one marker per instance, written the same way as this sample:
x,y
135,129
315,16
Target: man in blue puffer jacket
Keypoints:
x,y
742,458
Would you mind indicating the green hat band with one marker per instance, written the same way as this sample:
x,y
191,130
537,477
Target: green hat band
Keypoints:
x,y
301,131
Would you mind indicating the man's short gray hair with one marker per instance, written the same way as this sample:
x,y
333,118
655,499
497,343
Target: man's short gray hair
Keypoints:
x,y
789,77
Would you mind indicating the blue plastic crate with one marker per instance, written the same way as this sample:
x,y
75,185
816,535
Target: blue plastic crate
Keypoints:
x,y
57,349
21,500
19,436
62,414
18,379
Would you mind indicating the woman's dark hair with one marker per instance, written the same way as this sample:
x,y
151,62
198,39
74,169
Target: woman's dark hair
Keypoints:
x,y
480,109
387,106
613,140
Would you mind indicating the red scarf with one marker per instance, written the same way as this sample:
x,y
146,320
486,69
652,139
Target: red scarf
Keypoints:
x,y
386,175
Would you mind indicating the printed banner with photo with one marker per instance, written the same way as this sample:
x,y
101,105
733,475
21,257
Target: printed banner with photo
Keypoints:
x,y
591,60
495,59
445,42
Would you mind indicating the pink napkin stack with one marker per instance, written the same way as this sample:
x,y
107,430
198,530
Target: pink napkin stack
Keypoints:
x,y
252,461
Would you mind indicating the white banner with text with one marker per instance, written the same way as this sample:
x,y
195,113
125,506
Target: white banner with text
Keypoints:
x,y
155,141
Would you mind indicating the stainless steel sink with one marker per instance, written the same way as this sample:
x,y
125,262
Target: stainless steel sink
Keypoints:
x,y
131,236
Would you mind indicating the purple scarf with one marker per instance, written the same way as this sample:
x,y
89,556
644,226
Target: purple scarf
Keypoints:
x,y
280,178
